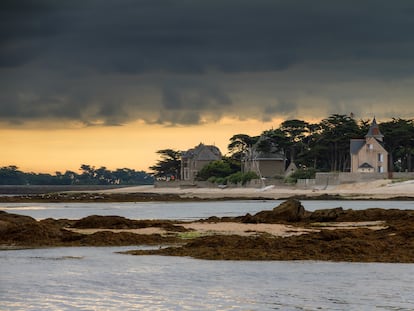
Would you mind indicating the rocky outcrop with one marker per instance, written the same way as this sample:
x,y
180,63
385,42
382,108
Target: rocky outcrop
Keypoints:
x,y
25,231
18,230
326,214
291,211
119,222
359,245
394,243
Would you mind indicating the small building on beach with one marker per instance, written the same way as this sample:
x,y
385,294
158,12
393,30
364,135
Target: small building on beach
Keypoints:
x,y
265,159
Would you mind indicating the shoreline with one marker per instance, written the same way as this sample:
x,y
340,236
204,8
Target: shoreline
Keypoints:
x,y
373,190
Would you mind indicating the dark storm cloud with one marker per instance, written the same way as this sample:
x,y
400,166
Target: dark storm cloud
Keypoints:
x,y
69,40
282,107
194,36
178,96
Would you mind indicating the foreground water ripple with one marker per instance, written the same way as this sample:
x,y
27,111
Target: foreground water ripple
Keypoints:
x,y
103,280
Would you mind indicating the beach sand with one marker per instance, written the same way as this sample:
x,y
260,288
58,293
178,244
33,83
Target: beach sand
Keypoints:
x,y
243,229
378,189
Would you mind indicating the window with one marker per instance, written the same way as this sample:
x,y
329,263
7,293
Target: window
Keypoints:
x,y
380,169
380,157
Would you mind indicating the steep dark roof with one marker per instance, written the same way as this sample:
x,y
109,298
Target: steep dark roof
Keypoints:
x,y
203,153
374,131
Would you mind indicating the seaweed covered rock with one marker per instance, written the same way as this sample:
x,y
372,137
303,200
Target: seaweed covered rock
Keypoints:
x,y
108,238
114,222
291,210
326,214
25,230
119,222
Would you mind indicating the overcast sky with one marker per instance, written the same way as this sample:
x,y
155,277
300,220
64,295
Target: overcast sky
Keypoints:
x,y
181,62
110,82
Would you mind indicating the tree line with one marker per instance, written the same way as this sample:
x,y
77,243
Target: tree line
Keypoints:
x,y
89,175
323,146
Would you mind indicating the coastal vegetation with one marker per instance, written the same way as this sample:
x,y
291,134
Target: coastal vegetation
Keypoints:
x,y
313,147
325,146
89,175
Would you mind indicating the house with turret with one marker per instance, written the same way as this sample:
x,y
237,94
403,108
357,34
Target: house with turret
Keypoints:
x,y
368,155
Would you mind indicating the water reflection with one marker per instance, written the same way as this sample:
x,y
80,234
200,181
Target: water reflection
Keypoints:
x,y
99,279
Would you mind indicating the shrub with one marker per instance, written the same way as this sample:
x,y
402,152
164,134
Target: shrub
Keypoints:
x,y
239,177
303,173
214,169
248,177
212,179
221,180
235,178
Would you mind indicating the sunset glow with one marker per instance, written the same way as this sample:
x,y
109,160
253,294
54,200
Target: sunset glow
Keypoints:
x,y
132,146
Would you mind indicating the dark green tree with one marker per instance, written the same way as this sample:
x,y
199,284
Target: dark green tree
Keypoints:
x,y
337,131
126,176
295,132
10,175
240,144
219,169
399,142
272,141
169,165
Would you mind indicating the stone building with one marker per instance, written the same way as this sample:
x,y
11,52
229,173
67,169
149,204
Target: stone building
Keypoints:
x,y
193,160
266,164
369,155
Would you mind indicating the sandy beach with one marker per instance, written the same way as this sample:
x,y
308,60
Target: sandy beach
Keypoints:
x,y
378,189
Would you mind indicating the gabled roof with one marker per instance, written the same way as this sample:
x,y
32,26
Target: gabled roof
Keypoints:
x,y
209,153
203,153
356,145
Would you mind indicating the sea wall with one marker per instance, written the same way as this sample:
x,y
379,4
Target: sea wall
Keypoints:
x,y
254,183
336,178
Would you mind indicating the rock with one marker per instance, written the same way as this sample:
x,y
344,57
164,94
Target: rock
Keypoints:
x,y
326,214
291,210
113,222
15,218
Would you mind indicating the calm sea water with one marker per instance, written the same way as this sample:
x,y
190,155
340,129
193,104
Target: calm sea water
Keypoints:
x,y
91,278
179,210
99,279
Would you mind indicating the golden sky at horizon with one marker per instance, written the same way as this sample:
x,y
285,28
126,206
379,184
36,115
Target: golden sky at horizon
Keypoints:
x,y
47,150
